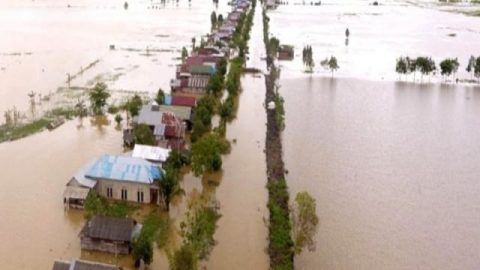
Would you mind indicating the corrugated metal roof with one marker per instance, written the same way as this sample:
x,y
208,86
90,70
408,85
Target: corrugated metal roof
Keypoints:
x,y
109,228
180,111
121,168
153,153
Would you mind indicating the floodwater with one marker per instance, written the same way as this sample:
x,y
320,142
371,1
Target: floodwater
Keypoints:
x,y
393,166
42,41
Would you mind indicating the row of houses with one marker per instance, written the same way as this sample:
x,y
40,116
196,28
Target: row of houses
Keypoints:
x,y
193,75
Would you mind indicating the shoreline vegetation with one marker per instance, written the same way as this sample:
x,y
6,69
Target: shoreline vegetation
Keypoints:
x,y
281,245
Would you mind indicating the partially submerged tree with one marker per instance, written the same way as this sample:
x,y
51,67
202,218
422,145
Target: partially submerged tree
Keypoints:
x,y
402,66
307,57
220,20
304,222
476,68
118,119
330,64
184,53
133,105
213,19
183,259
98,98
144,135
449,66
169,185
425,65
160,97
471,65
142,249
205,154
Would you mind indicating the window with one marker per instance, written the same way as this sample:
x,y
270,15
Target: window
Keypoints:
x,y
124,194
109,192
140,196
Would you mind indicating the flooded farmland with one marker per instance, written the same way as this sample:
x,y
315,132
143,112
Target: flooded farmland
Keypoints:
x,y
392,165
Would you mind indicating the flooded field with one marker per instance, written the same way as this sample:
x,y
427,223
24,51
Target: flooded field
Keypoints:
x,y
43,41
392,165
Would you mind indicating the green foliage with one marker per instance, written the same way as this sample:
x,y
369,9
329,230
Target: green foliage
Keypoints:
x,y
15,132
425,65
304,222
449,66
112,109
97,205
330,63
160,97
98,97
222,67
273,46
144,135
215,84
476,68
213,19
118,119
169,185
307,58
133,105
142,249
203,117
184,259
220,20
402,66
281,244
279,111
184,54
205,154
198,230
226,109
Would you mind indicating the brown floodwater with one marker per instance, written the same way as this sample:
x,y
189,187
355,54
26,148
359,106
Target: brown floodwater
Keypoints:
x,y
394,170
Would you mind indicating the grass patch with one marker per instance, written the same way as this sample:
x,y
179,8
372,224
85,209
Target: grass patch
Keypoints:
x,y
15,132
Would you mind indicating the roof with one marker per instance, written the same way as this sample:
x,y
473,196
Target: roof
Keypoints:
x,y
198,81
76,192
109,228
82,265
202,69
80,180
153,153
180,101
150,114
180,111
122,168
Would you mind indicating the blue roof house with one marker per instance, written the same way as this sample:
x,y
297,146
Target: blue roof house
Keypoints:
x,y
118,178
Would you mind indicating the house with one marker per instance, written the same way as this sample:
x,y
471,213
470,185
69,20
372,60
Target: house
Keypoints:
x,y
168,129
270,4
153,154
109,234
183,101
285,52
181,106
82,265
115,177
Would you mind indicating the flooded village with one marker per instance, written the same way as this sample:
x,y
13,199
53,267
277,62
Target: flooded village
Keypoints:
x,y
241,134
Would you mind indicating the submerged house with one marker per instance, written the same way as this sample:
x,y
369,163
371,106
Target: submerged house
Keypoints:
x,y
285,52
181,106
193,74
168,129
115,177
82,265
109,234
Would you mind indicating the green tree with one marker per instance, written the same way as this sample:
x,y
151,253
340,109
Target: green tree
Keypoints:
x,y
449,66
220,19
118,119
307,57
184,53
205,154
225,110
304,222
144,135
213,19
169,185
333,64
425,65
193,43
133,105
184,259
471,65
476,68
402,66
412,66
215,84
98,97
222,67
160,98
142,249
273,46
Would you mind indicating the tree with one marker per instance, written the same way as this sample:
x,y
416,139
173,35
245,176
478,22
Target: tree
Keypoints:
x,y
98,97
273,46
215,84
402,66
183,259
347,33
81,109
205,154
220,19
142,249
118,119
133,105
412,66
184,53
307,57
425,65
160,98
226,109
333,64
449,66
304,222
169,185
476,68
471,65
144,135
193,43
213,19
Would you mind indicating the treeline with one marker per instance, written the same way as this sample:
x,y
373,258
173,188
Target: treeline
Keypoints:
x,y
426,66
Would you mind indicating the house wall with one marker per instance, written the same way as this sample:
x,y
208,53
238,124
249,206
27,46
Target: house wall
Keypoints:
x,y
104,245
131,188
